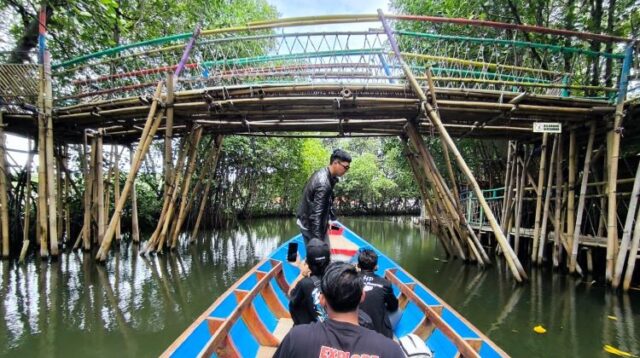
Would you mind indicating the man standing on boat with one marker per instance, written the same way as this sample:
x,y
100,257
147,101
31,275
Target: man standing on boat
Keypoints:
x,y
315,208
340,335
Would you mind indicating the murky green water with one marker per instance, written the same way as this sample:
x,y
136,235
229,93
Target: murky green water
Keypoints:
x,y
136,306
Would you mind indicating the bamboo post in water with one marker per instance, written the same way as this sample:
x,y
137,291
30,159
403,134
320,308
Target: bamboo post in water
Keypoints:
x,y
519,201
538,214
150,128
571,198
135,229
116,188
633,255
27,205
581,199
186,183
182,178
616,132
547,200
42,173
513,262
99,178
168,134
626,234
4,202
88,191
558,204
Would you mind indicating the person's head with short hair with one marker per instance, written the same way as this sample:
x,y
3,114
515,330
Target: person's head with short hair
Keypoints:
x,y
367,260
318,256
342,288
339,162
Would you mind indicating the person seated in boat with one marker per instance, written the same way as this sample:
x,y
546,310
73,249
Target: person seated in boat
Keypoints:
x,y
340,335
379,299
316,206
304,299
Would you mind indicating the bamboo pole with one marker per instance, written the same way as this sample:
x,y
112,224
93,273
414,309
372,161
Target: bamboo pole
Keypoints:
x,y
99,187
168,134
445,150
4,202
183,179
153,241
633,255
616,133
571,198
60,194
42,173
135,229
512,260
212,169
558,204
67,205
116,188
186,184
50,171
88,191
538,214
547,200
438,185
507,187
519,201
27,206
148,132
626,234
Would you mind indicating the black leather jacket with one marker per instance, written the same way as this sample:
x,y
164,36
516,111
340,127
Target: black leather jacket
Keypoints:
x,y
315,208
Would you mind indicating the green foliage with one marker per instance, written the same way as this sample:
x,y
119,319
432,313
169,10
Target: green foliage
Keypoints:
x,y
78,27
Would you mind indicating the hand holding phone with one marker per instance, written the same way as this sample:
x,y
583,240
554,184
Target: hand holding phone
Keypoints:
x,y
292,252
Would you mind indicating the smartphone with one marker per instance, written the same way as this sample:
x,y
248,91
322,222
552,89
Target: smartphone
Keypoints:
x,y
292,252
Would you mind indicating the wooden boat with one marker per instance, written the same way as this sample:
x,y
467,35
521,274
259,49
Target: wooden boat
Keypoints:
x,y
252,317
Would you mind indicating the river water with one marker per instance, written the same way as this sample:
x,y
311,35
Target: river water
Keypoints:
x,y
137,306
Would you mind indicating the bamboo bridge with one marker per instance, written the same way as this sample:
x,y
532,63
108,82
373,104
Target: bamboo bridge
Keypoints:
x,y
460,79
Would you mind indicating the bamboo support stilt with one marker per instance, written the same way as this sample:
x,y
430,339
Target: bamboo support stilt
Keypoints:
x,y
42,175
438,185
633,255
538,214
558,204
547,200
116,189
513,262
153,243
626,234
612,207
88,191
60,194
135,229
571,198
99,179
4,202
183,179
51,185
581,199
27,206
168,134
186,184
148,132
507,187
519,201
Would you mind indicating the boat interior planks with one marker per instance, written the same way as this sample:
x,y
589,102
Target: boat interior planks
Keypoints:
x,y
252,317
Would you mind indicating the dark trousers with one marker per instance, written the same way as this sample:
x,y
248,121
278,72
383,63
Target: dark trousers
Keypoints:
x,y
306,235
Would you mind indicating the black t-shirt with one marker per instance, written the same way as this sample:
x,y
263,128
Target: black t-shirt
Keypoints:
x,y
336,339
378,301
304,304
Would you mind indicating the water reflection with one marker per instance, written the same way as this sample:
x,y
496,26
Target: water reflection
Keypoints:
x,y
137,305
134,305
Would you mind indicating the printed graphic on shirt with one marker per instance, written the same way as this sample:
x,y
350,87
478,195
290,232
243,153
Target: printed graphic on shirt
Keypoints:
x,y
328,352
320,312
